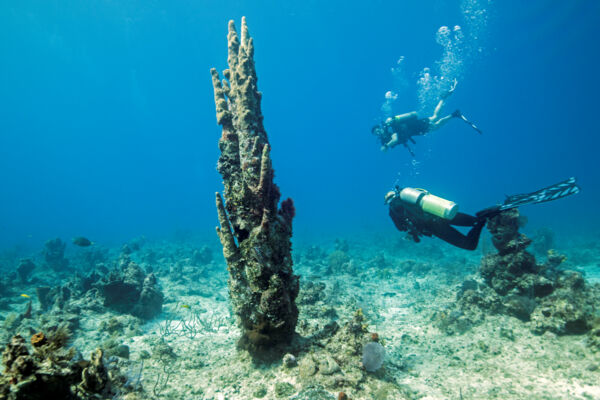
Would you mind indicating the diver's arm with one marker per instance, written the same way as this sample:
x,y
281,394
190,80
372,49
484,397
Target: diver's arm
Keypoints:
x,y
393,141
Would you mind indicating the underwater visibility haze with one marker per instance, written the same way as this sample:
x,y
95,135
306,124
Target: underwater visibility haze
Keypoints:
x,y
369,160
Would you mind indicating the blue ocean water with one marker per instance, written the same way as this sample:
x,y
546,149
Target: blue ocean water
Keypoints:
x,y
108,130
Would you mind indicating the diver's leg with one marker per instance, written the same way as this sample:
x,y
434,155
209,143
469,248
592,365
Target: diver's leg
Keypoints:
x,y
440,122
436,112
474,234
444,231
489,212
462,219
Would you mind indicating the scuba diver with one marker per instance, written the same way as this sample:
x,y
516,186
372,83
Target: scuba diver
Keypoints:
x,y
420,213
401,128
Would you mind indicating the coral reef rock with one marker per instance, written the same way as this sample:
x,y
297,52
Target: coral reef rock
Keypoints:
x,y
50,371
546,297
254,232
334,360
570,309
54,254
128,289
513,267
25,268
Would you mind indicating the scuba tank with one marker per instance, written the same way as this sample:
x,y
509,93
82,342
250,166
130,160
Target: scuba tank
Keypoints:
x,y
429,203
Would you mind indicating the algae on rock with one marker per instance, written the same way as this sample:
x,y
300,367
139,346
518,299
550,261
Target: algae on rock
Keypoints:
x,y
254,232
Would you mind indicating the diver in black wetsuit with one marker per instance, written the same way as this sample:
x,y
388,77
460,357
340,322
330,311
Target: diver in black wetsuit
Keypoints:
x,y
416,222
413,219
419,213
401,128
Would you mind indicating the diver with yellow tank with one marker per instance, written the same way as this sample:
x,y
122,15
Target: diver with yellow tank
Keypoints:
x,y
420,213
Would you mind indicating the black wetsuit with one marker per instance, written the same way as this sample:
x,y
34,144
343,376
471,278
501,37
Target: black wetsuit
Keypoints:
x,y
405,128
413,126
416,222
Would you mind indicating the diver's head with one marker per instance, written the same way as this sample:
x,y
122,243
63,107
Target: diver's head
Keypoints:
x,y
392,194
389,196
377,130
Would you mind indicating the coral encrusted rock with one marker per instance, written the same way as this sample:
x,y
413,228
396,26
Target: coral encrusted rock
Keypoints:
x,y
255,231
513,267
128,289
54,254
543,295
25,268
51,371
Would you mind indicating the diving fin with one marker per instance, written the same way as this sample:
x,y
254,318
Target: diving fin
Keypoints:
x,y
554,192
458,114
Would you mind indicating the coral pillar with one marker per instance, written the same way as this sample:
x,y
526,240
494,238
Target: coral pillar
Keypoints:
x,y
513,268
254,232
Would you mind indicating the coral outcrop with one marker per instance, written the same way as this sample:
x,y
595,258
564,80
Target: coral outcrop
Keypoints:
x,y
54,254
545,296
57,296
254,232
570,309
25,268
128,289
335,359
513,269
51,371
346,359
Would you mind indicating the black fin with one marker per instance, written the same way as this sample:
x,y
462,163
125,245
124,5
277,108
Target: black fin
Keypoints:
x,y
461,116
554,192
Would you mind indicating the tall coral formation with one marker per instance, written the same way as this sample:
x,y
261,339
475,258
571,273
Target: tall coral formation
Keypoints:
x,y
254,232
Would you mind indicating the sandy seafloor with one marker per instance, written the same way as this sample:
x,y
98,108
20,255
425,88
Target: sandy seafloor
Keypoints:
x,y
398,285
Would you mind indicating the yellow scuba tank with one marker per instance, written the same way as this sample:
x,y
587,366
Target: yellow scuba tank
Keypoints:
x,y
429,203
